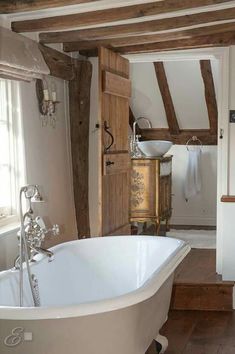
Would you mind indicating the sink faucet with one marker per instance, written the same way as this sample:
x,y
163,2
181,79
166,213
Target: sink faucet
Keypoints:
x,y
135,138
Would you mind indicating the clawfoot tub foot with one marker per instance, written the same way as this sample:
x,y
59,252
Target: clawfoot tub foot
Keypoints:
x,y
161,344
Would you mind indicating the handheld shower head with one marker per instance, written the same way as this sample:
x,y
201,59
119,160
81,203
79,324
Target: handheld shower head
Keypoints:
x,y
32,193
37,197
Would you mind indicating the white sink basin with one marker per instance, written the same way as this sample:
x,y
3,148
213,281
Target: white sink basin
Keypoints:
x,y
153,148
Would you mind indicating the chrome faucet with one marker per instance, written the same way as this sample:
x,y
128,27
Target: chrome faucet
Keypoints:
x,y
135,152
31,236
35,232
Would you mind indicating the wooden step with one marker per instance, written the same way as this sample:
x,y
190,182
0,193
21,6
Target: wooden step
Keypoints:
x,y
198,287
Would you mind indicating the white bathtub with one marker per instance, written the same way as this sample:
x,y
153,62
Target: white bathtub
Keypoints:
x,y
99,296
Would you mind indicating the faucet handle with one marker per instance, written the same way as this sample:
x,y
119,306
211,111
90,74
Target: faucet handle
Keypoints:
x,y
55,230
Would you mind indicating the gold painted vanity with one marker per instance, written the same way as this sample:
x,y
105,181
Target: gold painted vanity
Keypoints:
x,y
151,185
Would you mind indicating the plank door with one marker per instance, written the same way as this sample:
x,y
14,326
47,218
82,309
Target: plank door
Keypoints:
x,y
115,92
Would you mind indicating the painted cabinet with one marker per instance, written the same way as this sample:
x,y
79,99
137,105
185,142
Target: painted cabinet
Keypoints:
x,y
151,185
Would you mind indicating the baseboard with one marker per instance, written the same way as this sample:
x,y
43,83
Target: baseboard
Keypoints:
x,y
192,220
192,227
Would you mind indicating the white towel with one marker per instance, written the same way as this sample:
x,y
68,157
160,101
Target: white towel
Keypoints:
x,y
193,182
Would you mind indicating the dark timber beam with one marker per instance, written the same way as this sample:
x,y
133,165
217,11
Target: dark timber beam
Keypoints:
x,y
216,40
12,6
138,28
60,65
210,95
131,117
166,97
150,38
181,139
132,120
79,106
109,15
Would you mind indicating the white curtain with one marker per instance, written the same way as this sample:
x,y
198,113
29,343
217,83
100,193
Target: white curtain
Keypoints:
x,y
12,166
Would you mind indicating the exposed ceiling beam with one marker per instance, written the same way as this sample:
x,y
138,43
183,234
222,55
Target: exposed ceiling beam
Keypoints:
x,y
166,98
138,28
12,6
109,15
210,95
60,65
152,38
181,139
216,40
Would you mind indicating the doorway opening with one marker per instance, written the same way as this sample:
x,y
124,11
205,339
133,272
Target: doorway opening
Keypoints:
x,y
195,218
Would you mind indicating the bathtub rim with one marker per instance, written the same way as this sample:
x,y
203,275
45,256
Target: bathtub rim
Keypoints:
x,y
147,290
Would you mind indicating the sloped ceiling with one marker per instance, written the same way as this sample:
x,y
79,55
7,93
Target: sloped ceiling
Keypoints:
x,y
187,91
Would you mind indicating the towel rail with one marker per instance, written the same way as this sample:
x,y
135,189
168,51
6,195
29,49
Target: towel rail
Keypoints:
x,y
194,138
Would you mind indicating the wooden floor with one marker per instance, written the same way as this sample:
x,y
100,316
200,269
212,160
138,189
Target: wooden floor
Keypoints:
x,y
198,267
198,287
200,332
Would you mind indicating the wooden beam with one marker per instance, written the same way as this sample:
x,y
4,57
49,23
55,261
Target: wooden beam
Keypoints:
x,y
79,106
150,38
131,117
132,120
181,139
228,199
216,40
210,94
109,15
12,6
152,349
166,97
60,65
138,28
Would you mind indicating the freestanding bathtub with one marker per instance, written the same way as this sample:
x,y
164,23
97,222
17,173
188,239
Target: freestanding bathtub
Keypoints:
x,y
99,296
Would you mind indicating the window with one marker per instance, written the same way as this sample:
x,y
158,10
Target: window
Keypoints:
x,y
11,156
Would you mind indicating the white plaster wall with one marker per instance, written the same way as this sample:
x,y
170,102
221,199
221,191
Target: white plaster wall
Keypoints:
x,y
187,91
48,163
146,97
228,209
201,209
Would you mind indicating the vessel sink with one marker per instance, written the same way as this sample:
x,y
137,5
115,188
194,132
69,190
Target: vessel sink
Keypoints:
x,y
153,148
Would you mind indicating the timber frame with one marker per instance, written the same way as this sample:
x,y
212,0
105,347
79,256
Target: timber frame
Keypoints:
x,y
78,74
153,26
174,133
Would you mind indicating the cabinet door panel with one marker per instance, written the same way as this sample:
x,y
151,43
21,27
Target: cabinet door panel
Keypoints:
x,y
143,183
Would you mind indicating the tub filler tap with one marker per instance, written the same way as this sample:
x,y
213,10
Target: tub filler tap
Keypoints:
x,y
35,232
31,236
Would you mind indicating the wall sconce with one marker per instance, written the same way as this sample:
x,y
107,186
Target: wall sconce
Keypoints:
x,y
47,101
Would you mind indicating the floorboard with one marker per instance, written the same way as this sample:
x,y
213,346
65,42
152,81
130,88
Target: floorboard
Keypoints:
x,y
197,286
200,332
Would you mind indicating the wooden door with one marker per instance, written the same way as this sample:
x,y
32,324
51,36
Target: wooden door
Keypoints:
x,y
115,92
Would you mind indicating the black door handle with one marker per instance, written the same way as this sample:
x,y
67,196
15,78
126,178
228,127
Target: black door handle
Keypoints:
x,y
108,163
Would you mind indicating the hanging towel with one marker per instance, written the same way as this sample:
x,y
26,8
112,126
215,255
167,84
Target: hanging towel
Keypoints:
x,y
193,182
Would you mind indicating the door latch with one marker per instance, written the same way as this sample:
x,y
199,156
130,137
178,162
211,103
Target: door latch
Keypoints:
x,y
109,163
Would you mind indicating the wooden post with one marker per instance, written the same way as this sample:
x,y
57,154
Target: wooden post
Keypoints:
x,y
79,105
166,97
210,95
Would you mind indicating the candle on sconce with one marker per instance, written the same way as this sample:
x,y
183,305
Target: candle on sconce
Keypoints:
x,y
53,92
45,91
46,95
